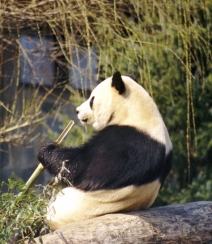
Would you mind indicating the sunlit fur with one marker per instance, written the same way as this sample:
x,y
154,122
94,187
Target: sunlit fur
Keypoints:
x,y
108,111
72,205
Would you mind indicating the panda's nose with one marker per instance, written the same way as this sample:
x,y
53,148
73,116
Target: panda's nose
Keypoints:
x,y
77,111
85,120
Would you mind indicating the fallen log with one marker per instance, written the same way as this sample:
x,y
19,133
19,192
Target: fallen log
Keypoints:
x,y
181,223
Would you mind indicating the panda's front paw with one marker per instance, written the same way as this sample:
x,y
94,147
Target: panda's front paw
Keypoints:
x,y
45,153
51,146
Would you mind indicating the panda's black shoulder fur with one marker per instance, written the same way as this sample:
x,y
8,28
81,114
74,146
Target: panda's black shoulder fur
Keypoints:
x,y
114,157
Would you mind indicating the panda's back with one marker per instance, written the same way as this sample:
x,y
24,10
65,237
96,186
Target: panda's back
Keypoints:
x,y
119,156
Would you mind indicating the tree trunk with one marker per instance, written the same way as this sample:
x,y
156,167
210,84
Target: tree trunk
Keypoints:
x,y
182,223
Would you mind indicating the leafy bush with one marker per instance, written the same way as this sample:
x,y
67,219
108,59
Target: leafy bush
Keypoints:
x,y
21,214
199,190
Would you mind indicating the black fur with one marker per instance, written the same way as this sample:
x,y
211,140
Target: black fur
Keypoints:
x,y
115,157
118,83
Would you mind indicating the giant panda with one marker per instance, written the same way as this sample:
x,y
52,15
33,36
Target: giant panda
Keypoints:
x,y
122,167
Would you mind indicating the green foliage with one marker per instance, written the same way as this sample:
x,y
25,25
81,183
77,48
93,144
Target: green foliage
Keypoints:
x,y
21,214
199,190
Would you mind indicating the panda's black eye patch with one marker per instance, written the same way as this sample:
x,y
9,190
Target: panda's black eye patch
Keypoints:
x,y
91,102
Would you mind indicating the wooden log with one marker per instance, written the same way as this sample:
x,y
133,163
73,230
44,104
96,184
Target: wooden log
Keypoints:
x,y
182,223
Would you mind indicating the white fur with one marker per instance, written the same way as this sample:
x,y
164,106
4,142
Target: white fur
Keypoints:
x,y
79,205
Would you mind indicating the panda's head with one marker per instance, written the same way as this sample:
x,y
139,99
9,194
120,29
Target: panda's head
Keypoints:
x,y
120,100
107,103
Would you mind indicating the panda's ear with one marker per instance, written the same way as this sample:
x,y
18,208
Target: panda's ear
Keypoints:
x,y
118,83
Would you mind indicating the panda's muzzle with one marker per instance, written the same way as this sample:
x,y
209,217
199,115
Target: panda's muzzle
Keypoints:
x,y
82,118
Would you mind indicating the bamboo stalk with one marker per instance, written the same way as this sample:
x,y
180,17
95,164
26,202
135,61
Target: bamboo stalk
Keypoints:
x,y
40,167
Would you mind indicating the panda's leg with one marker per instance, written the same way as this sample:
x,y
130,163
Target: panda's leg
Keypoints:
x,y
68,206
72,205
